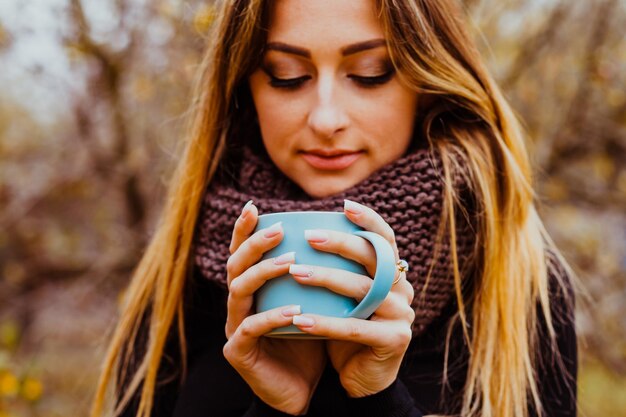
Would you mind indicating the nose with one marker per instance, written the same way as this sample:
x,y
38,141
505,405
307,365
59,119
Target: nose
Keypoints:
x,y
327,117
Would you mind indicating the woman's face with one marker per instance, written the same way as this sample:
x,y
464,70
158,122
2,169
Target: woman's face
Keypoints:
x,y
331,107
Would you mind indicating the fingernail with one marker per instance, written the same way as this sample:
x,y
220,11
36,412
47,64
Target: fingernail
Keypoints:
x,y
317,236
303,321
273,230
300,270
246,209
285,258
352,207
291,311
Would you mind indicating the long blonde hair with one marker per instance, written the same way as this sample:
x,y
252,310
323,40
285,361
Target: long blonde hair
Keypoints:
x,y
468,122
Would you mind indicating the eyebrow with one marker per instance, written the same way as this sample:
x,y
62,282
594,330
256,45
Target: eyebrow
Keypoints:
x,y
346,50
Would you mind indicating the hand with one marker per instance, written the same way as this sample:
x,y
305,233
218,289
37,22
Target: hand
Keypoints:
x,y
366,353
283,373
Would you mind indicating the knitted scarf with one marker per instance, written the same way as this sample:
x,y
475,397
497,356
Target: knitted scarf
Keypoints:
x,y
408,194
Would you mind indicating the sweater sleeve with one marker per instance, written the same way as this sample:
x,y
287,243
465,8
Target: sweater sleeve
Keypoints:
x,y
393,401
167,385
557,377
557,365
260,409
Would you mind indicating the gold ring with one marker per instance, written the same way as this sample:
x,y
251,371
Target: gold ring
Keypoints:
x,y
402,266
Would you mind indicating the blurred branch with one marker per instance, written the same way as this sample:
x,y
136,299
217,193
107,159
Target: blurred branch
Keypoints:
x,y
106,84
533,46
603,342
17,208
5,38
40,270
562,146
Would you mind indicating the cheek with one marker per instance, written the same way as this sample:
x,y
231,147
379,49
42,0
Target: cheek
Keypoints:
x,y
278,116
278,121
389,115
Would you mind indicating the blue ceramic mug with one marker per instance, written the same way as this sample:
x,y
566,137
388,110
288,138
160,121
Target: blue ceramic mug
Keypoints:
x,y
284,290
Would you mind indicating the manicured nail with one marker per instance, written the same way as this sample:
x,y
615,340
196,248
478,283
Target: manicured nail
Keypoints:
x,y
352,207
300,271
291,311
303,321
273,230
285,258
317,236
246,209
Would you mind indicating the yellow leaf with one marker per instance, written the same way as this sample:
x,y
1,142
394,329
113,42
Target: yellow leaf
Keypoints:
x,y
32,389
555,189
603,166
75,51
143,88
9,334
203,18
615,97
9,385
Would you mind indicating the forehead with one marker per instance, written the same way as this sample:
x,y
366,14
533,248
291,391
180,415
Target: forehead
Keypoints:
x,y
318,23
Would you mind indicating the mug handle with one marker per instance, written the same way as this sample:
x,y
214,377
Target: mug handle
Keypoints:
x,y
383,278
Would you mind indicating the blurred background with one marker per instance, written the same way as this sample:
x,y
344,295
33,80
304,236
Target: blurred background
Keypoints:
x,y
93,96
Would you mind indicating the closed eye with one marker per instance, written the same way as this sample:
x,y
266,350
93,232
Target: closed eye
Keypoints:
x,y
288,83
374,81
294,83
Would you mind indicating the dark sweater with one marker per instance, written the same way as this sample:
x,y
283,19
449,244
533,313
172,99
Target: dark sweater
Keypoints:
x,y
213,388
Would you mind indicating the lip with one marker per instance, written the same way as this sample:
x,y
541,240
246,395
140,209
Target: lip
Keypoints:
x,y
331,160
330,152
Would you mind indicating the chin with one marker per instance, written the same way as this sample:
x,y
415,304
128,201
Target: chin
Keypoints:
x,y
322,189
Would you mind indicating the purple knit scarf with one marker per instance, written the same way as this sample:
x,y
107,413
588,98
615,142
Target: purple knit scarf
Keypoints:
x,y
406,193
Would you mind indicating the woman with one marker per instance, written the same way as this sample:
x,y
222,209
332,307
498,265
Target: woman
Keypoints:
x,y
312,106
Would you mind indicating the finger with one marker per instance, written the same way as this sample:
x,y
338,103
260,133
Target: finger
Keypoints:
x,y
242,289
340,281
393,335
246,337
350,284
346,245
244,225
343,350
395,307
404,287
252,249
369,219
246,284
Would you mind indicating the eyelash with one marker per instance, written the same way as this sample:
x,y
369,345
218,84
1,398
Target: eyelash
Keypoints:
x,y
365,82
